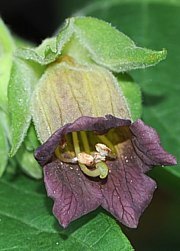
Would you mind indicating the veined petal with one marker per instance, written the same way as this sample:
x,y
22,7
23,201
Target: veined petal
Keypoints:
x,y
147,146
73,193
127,191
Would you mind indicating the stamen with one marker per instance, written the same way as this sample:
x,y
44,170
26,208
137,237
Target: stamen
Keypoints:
x,y
63,146
103,149
84,169
61,156
108,143
76,143
85,142
98,157
85,159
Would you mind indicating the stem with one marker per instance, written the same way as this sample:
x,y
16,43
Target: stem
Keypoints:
x,y
85,142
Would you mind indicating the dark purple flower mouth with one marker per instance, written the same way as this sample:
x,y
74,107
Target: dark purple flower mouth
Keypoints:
x,y
101,162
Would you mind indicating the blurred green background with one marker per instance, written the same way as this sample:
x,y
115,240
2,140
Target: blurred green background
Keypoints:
x,y
152,24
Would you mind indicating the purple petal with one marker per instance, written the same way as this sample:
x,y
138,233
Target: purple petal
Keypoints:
x,y
127,191
147,146
73,193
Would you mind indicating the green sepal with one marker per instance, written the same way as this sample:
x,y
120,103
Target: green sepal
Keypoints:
x,y
43,54
111,48
132,93
64,35
31,141
25,154
21,85
28,163
99,41
12,167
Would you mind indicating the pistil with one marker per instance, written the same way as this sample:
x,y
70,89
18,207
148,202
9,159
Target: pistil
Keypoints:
x,y
101,169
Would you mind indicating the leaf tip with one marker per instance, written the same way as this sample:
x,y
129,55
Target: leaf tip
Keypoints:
x,y
163,54
156,56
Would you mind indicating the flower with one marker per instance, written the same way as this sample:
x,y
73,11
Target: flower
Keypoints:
x,y
91,159
109,172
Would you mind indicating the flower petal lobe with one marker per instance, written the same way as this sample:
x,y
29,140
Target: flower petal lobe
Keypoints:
x,y
147,145
127,191
73,193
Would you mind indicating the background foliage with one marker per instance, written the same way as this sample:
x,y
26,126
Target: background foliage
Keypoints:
x,y
26,221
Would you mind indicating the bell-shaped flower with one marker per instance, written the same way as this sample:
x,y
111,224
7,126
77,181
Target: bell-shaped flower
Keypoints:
x,y
93,153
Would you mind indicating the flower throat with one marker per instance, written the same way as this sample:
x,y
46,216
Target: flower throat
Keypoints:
x,y
90,152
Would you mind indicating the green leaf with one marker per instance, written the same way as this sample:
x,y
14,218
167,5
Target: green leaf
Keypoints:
x,y
4,146
111,48
21,85
6,41
26,223
132,93
4,140
153,24
6,50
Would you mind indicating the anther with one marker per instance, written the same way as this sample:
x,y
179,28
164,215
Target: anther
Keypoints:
x,y
98,157
102,149
105,151
67,157
85,159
